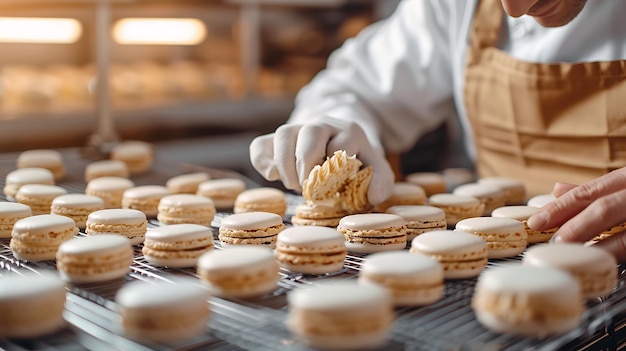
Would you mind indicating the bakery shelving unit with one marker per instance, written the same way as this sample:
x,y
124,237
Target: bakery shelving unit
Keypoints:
x,y
259,324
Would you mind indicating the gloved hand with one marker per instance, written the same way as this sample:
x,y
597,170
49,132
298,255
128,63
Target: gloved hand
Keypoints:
x,y
293,150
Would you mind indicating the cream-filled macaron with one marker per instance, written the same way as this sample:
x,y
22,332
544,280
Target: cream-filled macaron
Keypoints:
x,y
404,193
311,249
540,200
163,311
177,245
144,198
239,272
132,224
261,200
138,155
15,179
37,238
522,213
186,208
94,258
514,189
186,183
373,232
413,279
11,212
340,315
419,219
457,207
76,206
106,168
223,192
32,305
39,196
109,189
463,255
528,301
251,228
491,195
431,182
51,160
595,268
317,215
505,237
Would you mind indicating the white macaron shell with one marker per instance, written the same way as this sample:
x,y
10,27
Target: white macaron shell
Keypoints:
x,y
400,263
179,232
311,236
117,215
101,243
519,213
251,220
369,221
449,242
43,223
238,258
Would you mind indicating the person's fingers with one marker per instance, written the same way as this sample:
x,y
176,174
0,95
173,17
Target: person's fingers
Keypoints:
x,y
285,139
568,205
616,245
601,215
311,148
262,156
562,188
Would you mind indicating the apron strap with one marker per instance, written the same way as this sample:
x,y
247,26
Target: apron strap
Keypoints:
x,y
485,28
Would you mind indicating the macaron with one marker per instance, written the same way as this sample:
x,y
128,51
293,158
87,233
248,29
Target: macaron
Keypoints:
x,y
51,160
11,212
251,228
457,207
514,189
39,196
76,206
223,192
455,176
131,224
138,155
491,195
177,245
419,219
522,213
340,315
593,267
37,238
109,189
106,168
463,255
261,200
32,305
317,215
186,183
239,272
94,258
413,279
310,250
15,179
373,232
505,237
144,198
186,208
162,311
404,193
528,301
540,200
431,182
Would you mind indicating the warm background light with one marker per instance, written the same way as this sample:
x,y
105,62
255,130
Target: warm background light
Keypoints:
x,y
159,31
39,30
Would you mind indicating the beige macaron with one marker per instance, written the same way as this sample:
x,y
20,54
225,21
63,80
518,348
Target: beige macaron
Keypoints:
x,y
540,200
251,228
431,182
457,207
373,232
522,213
37,238
419,219
177,245
463,255
144,198
109,189
223,192
505,237
138,155
186,183
126,222
76,206
404,193
51,160
186,208
106,168
595,269
514,189
15,179
490,195
11,212
239,272
310,250
39,196
261,200
317,215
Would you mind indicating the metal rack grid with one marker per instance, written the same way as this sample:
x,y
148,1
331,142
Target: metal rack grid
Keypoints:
x,y
259,323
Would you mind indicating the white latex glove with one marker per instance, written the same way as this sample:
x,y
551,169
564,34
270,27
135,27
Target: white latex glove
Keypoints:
x,y
293,150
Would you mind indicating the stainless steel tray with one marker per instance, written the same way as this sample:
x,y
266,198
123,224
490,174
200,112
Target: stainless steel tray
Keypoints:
x,y
259,323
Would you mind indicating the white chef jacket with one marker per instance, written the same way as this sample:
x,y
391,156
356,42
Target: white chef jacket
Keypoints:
x,y
403,76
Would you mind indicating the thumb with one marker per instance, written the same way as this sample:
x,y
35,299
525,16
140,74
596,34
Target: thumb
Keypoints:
x,y
381,185
262,156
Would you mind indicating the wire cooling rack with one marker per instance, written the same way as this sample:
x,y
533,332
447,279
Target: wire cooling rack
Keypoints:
x,y
93,320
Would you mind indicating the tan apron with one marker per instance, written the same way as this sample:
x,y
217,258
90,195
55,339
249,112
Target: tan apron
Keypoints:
x,y
542,123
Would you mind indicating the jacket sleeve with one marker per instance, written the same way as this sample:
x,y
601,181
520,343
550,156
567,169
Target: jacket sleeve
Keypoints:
x,y
394,78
